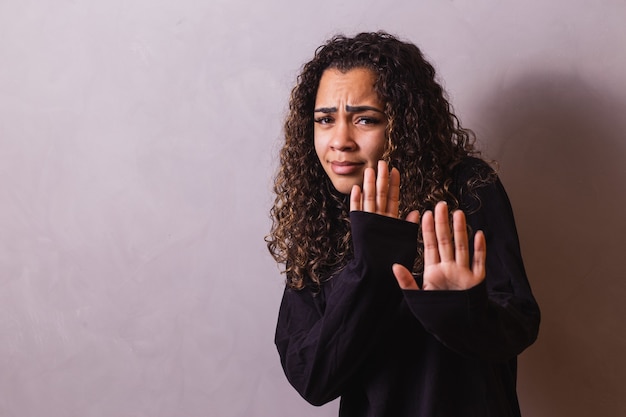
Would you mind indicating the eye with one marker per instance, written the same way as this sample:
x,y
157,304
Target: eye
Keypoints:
x,y
368,120
324,120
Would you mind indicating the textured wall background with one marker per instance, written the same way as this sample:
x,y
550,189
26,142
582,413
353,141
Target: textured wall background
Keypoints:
x,y
138,139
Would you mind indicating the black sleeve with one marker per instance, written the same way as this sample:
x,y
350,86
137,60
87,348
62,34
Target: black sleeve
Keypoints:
x,y
322,343
499,318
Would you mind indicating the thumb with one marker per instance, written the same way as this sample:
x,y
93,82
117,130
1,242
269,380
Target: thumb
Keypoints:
x,y
413,216
404,277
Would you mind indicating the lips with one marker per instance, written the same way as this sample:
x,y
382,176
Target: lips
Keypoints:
x,y
345,167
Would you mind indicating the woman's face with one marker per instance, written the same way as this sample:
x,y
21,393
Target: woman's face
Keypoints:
x,y
350,126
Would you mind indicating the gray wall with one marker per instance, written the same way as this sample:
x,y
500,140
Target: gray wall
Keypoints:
x,y
137,144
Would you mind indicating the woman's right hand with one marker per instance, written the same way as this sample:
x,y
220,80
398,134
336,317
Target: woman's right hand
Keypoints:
x,y
380,194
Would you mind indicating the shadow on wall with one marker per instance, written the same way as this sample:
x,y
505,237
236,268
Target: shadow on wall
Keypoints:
x,y
560,143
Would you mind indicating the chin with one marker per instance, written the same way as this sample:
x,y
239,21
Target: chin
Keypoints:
x,y
344,187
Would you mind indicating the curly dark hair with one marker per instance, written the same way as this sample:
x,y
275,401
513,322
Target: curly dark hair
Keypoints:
x,y
311,229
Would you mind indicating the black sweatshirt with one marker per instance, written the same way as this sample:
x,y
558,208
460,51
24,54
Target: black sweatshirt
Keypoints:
x,y
393,353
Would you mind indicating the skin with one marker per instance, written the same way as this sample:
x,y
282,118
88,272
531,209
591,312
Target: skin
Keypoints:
x,y
349,136
350,126
446,253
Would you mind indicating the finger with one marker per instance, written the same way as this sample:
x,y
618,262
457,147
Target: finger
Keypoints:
x,y
442,228
369,190
355,198
431,251
480,256
382,187
413,217
404,277
461,249
393,198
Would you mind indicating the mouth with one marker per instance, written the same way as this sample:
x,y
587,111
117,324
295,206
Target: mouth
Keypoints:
x,y
345,167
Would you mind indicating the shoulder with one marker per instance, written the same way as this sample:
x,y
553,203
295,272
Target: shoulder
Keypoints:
x,y
474,180
472,169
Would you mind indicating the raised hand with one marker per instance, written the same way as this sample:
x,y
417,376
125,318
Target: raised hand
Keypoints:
x,y
380,194
381,191
446,261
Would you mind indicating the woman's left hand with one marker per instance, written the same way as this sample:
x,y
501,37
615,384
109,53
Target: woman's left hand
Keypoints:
x,y
446,261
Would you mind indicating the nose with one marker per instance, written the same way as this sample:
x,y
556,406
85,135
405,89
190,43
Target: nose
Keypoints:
x,y
342,139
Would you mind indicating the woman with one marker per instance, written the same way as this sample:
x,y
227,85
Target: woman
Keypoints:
x,y
397,320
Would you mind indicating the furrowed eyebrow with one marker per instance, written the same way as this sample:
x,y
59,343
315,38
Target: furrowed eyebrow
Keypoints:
x,y
349,109
359,109
326,110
